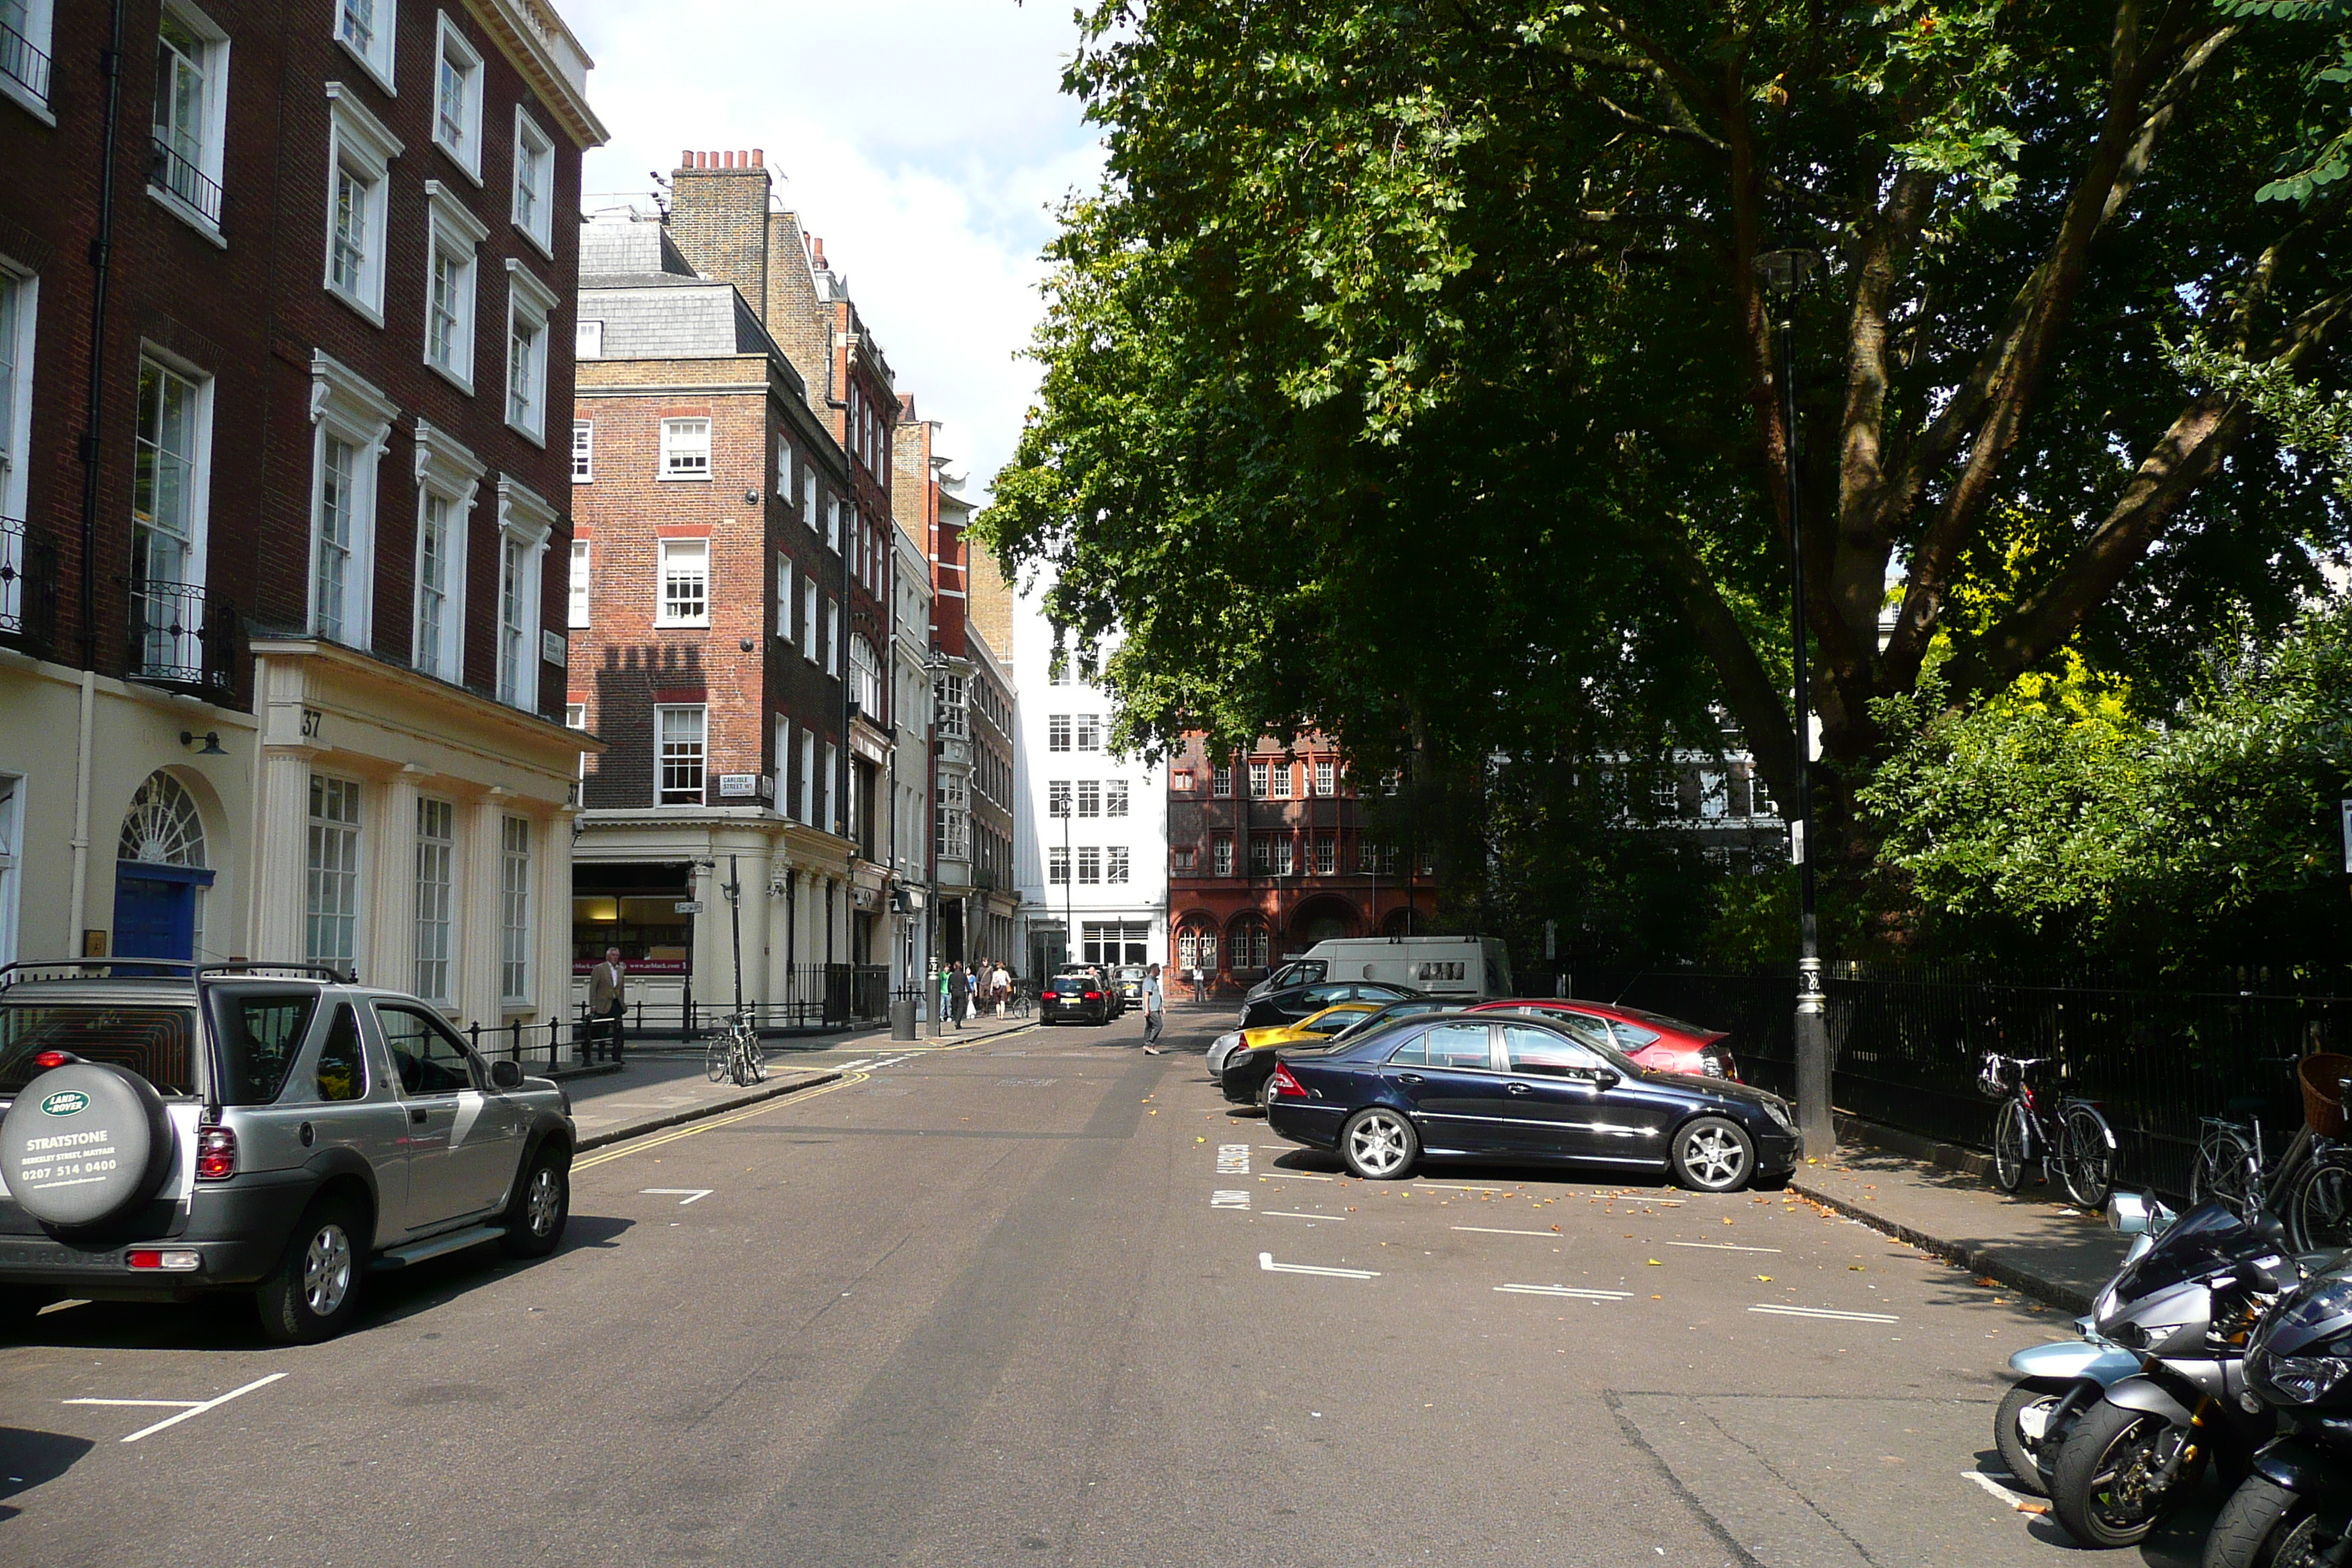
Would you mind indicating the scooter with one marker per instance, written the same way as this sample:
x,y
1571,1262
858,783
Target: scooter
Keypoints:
x,y
2057,1381
2188,1306
2294,1509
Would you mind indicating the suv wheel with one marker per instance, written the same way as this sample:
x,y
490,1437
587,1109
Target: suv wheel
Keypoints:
x,y
541,1204
314,1291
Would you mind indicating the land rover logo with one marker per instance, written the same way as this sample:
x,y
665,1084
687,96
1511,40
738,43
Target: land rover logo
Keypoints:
x,y
65,1103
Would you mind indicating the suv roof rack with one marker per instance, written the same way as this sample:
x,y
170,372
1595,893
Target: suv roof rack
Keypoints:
x,y
165,968
338,974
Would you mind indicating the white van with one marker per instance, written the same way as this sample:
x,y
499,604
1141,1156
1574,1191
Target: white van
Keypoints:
x,y
1475,968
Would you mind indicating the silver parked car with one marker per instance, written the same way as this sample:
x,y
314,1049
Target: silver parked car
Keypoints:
x,y
168,1131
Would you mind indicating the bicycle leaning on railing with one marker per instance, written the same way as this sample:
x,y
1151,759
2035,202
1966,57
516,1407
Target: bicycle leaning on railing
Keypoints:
x,y
736,1056
2072,1137
2309,1187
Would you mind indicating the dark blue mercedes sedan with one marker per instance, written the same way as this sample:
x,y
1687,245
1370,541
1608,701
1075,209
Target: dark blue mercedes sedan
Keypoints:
x,y
1507,1086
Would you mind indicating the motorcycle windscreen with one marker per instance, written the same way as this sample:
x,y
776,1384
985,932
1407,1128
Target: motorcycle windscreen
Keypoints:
x,y
2207,1237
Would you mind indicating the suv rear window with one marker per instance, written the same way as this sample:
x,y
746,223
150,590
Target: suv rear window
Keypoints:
x,y
260,1032
156,1041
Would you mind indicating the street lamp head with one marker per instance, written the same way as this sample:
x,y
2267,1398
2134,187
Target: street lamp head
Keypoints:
x,y
1787,271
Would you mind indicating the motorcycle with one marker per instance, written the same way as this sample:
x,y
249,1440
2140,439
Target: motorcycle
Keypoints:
x,y
2056,1383
2294,1509
2188,1308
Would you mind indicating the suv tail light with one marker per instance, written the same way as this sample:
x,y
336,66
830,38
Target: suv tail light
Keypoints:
x,y
1093,996
49,1059
1284,1086
1048,995
215,1154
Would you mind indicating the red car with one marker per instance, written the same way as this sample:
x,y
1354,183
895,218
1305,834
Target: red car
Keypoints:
x,y
1653,1039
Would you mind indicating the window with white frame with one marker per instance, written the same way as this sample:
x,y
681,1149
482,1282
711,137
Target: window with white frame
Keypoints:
x,y
833,525
587,340
436,880
16,300
1090,797
1327,778
170,485
1058,732
1089,865
1220,781
534,181
448,477
1261,780
526,523
950,715
454,236
332,871
686,448
783,768
360,151
514,910
1091,731
24,42
808,617
808,495
808,777
1057,797
1282,772
584,451
685,566
826,816
1115,863
581,584
354,420
1058,866
365,29
189,113
1326,855
457,98
678,733
529,305
866,679
1114,797
1221,855
1261,855
783,595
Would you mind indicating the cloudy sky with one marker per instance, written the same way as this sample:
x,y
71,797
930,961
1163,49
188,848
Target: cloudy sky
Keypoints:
x,y
924,141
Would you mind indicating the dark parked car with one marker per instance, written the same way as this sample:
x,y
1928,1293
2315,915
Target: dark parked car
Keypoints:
x,y
1518,1088
1079,997
1248,1067
1300,1001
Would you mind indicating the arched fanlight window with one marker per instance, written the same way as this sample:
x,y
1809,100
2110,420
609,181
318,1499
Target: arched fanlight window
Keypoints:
x,y
162,826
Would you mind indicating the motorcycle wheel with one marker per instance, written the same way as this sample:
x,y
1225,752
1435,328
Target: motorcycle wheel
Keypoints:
x,y
2008,1146
2102,1487
2028,1462
2252,1525
2319,1216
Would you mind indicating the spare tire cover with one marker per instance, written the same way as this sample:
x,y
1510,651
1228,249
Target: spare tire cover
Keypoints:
x,y
85,1144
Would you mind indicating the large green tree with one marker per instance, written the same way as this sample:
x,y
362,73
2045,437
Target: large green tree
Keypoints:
x,y
1411,370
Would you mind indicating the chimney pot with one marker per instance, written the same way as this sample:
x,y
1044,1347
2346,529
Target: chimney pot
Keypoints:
x,y
731,160
686,159
759,158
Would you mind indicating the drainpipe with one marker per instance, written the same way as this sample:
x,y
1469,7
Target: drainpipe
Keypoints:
x,y
101,260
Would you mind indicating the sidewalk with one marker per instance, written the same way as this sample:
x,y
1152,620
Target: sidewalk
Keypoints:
x,y
657,1090
1939,1199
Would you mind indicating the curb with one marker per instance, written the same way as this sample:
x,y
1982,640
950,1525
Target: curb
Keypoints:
x,y
1984,1260
639,1129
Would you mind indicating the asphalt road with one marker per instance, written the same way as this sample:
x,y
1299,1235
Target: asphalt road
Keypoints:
x,y
1038,1300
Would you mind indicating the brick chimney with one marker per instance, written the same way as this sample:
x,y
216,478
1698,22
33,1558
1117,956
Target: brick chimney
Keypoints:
x,y
719,218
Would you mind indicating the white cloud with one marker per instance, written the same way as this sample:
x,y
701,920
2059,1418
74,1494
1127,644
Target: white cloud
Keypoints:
x,y
924,141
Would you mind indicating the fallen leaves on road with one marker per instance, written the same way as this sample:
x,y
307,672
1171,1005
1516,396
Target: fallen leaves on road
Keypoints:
x,y
1763,1279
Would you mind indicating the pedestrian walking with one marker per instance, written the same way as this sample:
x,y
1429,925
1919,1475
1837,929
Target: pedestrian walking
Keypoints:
x,y
1001,982
1155,1011
959,992
608,1000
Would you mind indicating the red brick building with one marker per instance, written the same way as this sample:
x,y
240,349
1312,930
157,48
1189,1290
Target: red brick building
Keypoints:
x,y
1267,856
731,602
281,574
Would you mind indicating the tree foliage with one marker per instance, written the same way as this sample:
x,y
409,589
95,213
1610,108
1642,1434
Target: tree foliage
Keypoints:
x,y
1411,372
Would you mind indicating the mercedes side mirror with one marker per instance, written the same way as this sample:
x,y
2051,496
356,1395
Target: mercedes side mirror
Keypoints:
x,y
505,1075
1606,1078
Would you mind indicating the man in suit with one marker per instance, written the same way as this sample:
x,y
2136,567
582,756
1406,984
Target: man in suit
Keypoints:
x,y
608,997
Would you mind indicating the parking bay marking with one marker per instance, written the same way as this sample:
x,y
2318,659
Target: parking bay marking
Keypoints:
x,y
1233,1158
1831,1314
1289,1213
189,1408
692,1195
1229,1199
1265,1261
1492,1230
1722,1246
1568,1290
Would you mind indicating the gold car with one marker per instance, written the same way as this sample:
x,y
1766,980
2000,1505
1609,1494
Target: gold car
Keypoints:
x,y
1246,1070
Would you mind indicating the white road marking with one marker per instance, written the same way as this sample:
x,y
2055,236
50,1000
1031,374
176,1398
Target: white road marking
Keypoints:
x,y
1265,1261
189,1408
853,1067
1491,1230
2017,1501
1294,1176
1229,1200
1777,1309
1568,1290
692,1195
1722,1246
1459,1187
1287,1213
891,1062
1233,1158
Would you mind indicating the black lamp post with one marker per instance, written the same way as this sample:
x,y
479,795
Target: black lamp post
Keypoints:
x,y
1786,273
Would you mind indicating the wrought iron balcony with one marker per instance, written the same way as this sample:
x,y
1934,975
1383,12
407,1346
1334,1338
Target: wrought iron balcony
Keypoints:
x,y
21,62
12,576
170,169
178,639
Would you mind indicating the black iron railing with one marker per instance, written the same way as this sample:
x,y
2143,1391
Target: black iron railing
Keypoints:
x,y
12,576
179,638
172,170
20,61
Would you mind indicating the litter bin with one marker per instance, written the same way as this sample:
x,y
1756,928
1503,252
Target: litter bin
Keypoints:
x,y
902,1019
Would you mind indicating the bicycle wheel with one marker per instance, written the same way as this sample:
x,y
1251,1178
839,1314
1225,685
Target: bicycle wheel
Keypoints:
x,y
714,1061
755,1059
2224,1172
2319,1215
2089,1163
2008,1145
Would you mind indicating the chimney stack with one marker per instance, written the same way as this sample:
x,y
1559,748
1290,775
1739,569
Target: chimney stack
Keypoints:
x,y
719,218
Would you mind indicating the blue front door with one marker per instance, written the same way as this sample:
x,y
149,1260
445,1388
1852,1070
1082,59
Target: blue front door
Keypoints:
x,y
155,909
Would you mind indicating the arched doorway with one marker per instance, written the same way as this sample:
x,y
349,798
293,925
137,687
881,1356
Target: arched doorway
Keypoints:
x,y
1247,942
1196,951
1322,919
160,876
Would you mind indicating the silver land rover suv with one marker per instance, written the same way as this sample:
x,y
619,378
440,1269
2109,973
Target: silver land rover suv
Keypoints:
x,y
169,1130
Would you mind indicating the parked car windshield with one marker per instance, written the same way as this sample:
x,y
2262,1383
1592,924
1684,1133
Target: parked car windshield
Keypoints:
x,y
157,1041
